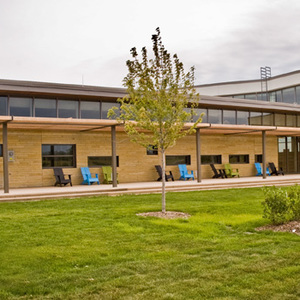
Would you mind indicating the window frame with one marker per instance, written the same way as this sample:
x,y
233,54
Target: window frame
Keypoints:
x,y
187,160
258,158
152,150
73,155
238,156
216,159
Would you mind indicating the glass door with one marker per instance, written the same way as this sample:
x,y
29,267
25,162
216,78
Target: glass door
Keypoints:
x,y
289,154
281,153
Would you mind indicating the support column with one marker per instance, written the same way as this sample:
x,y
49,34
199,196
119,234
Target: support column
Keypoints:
x,y
5,158
198,151
264,154
114,155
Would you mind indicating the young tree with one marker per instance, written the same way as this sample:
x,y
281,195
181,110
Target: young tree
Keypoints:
x,y
159,92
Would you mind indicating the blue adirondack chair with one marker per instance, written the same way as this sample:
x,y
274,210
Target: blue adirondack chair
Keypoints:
x,y
87,176
259,170
184,174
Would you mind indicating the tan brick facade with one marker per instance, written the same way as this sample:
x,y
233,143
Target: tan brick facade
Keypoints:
x,y
135,165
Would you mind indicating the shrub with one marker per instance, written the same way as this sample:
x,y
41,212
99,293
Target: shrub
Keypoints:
x,y
281,205
294,195
275,205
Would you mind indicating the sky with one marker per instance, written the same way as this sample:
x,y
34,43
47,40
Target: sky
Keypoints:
x,y
88,41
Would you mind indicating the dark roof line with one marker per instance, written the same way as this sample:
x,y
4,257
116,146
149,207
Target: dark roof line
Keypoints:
x,y
39,84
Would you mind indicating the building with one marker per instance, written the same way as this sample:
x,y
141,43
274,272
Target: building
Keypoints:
x,y
46,125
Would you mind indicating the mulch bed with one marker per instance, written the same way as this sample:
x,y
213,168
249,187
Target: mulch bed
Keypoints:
x,y
166,215
293,227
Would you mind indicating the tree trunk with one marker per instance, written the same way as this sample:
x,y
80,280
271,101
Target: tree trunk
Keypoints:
x,y
163,189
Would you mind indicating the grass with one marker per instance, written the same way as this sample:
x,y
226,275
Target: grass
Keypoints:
x,y
97,248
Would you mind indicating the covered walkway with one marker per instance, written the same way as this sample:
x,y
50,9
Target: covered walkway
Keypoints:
x,y
112,126
43,193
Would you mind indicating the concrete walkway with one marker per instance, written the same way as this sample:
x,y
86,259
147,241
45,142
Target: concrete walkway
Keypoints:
x,y
40,193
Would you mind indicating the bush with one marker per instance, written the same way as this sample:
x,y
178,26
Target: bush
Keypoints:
x,y
275,205
281,205
294,195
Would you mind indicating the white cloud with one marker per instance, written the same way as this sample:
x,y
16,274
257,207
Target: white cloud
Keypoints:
x,y
61,40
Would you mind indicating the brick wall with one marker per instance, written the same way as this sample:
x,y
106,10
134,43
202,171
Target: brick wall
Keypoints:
x,y
26,169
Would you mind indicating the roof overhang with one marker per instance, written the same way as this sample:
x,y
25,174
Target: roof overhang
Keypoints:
x,y
82,125
60,90
248,105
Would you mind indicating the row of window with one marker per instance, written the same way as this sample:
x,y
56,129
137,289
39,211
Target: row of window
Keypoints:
x,y
288,95
235,117
54,108
173,160
65,156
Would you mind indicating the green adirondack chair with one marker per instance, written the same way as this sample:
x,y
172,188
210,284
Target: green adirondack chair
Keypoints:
x,y
107,174
230,172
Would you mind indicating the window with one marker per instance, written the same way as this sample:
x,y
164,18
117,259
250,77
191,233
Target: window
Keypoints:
x,y
268,119
211,159
279,119
255,118
281,144
67,109
106,106
229,117
152,150
298,120
189,111
45,108
298,94
279,96
59,156
239,159
239,96
288,95
291,120
262,96
20,107
258,158
272,96
174,160
198,112
215,116
99,161
242,117
250,96
275,96
89,110
3,106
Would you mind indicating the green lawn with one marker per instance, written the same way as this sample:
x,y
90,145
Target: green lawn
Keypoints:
x,y
97,248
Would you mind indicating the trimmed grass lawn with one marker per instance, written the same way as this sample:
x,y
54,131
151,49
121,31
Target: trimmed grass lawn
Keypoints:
x,y
97,248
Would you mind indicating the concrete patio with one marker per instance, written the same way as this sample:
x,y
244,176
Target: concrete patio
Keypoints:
x,y
40,193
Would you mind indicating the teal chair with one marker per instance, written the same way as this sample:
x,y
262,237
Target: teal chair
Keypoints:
x,y
87,176
259,170
184,174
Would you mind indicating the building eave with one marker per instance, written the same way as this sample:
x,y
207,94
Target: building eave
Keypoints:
x,y
15,87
